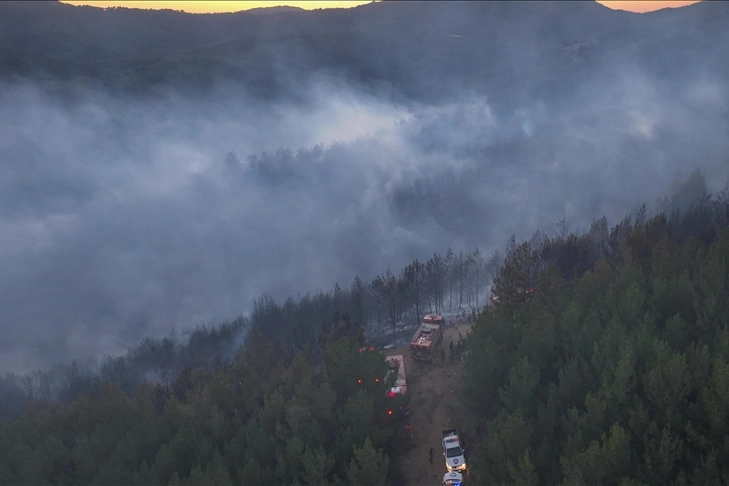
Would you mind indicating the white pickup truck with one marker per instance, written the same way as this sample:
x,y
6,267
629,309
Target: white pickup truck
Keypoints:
x,y
453,479
453,451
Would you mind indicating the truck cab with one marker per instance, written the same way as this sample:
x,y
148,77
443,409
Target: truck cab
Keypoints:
x,y
453,452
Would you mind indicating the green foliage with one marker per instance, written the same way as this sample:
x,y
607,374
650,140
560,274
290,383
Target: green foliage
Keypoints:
x,y
619,377
508,438
522,387
523,472
317,465
258,421
603,462
369,466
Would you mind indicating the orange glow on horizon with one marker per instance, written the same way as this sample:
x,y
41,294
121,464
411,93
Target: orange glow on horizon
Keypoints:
x,y
642,6
213,6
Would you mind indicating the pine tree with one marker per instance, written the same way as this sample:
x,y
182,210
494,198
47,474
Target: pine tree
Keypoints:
x,y
368,466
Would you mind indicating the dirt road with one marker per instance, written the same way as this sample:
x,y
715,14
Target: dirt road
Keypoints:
x,y
432,388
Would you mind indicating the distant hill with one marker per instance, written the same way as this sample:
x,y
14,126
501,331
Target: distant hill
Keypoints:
x,y
273,10
416,49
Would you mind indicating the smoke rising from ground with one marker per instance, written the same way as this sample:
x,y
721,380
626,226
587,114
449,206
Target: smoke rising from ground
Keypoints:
x,y
121,218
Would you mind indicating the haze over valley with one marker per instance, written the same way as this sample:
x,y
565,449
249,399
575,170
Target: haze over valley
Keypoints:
x,y
164,177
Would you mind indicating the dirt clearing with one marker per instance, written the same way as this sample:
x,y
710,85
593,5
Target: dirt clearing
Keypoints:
x,y
432,388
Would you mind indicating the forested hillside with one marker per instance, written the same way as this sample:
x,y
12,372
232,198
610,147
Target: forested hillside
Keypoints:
x,y
179,306
603,361
418,50
262,419
444,282
615,368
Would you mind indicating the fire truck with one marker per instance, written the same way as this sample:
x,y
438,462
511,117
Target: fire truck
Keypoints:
x,y
428,335
396,372
398,406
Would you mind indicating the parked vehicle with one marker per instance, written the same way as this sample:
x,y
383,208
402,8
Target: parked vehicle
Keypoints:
x,y
428,335
396,373
397,393
453,451
453,478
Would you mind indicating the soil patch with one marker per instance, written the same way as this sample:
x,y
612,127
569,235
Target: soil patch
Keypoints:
x,y
433,388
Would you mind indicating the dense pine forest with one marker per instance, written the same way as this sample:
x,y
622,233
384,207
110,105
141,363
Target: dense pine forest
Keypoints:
x,y
615,369
449,281
171,314
258,420
602,359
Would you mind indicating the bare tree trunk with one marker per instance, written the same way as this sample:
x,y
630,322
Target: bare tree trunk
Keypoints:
x,y
379,319
450,296
461,289
477,284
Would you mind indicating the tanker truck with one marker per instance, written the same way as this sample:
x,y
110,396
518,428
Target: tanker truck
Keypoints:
x,y
428,335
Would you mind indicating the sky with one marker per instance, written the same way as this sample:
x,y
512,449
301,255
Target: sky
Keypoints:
x,y
195,6
213,6
644,6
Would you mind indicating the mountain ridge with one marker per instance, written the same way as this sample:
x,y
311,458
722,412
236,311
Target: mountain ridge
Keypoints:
x,y
394,43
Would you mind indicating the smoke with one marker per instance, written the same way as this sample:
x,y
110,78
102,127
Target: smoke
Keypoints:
x,y
122,217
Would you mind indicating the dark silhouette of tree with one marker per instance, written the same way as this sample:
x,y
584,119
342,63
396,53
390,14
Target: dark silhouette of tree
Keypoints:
x,y
414,280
